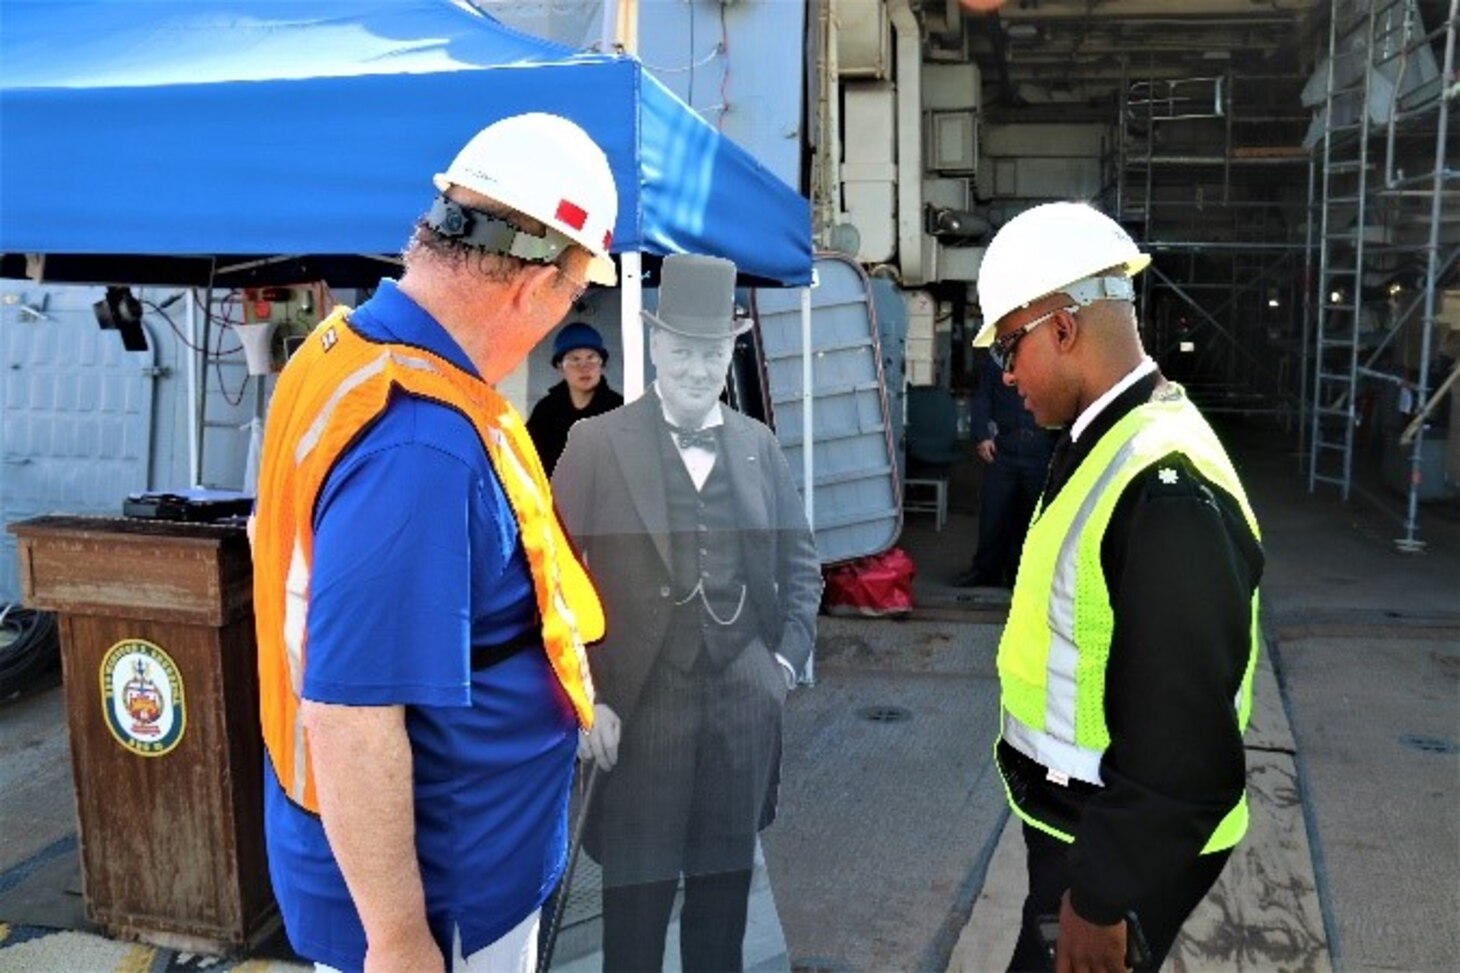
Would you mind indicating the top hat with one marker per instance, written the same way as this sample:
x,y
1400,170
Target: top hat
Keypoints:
x,y
697,298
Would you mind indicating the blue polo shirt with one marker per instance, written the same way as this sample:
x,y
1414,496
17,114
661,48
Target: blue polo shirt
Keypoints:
x,y
417,560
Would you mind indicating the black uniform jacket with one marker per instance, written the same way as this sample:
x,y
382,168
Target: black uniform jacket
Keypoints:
x,y
1181,565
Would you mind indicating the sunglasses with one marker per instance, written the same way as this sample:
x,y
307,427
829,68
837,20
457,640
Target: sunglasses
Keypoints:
x,y
1002,350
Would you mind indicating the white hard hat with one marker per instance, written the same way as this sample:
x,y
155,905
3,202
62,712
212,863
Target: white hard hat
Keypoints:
x,y
545,167
1047,248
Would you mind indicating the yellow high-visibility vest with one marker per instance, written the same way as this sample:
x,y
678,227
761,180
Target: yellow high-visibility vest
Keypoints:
x,y
1053,653
334,386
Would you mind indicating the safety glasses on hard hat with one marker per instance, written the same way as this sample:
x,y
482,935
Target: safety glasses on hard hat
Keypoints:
x,y
1002,350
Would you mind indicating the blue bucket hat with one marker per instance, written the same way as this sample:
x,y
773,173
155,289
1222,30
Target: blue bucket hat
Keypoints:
x,y
578,335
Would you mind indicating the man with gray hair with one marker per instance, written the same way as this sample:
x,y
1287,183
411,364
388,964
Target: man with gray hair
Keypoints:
x,y
421,617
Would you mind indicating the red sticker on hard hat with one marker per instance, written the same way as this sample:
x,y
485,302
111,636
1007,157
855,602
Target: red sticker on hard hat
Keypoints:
x,y
570,214
607,239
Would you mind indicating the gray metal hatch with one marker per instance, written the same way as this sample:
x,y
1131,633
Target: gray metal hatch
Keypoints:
x,y
857,490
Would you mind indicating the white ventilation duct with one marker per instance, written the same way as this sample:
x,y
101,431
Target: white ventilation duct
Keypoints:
x,y
909,51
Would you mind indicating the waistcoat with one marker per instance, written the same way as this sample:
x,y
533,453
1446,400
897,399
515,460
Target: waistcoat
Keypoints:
x,y
711,602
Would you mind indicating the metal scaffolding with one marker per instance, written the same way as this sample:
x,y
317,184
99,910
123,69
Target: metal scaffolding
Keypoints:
x,y
1383,190
1202,173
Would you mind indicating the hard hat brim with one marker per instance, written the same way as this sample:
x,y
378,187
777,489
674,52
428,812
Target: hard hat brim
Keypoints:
x,y
601,270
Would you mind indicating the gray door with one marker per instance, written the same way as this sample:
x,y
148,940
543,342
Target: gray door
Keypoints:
x,y
77,410
858,511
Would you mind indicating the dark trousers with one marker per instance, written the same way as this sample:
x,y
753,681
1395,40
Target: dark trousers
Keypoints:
x,y
1011,488
711,924
1160,915
697,760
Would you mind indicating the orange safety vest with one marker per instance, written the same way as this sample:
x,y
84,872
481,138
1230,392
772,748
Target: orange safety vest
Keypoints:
x,y
335,385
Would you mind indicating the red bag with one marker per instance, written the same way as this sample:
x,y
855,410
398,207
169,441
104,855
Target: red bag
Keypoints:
x,y
877,586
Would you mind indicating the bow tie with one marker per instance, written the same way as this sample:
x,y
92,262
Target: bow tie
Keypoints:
x,y
686,438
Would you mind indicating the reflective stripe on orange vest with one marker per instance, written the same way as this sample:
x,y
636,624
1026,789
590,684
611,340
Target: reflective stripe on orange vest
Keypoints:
x,y
335,385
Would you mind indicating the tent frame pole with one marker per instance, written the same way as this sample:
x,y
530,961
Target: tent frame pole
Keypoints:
x,y
808,442
631,323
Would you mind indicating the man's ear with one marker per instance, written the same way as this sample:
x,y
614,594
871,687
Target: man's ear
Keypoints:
x,y
1066,329
529,286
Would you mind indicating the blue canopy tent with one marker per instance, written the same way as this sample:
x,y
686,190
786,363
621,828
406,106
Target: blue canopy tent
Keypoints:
x,y
245,142
171,141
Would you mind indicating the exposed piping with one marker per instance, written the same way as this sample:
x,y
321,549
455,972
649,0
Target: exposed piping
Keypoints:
x,y
153,373
195,428
827,188
607,30
909,46
994,28
1122,21
833,140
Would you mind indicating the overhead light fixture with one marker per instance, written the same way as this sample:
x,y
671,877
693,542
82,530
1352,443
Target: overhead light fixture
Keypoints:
x,y
1216,55
1273,302
1335,297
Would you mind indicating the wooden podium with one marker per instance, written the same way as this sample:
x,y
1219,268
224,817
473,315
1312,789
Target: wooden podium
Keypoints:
x,y
159,660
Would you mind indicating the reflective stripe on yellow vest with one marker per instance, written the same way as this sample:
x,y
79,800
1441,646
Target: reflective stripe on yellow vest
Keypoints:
x,y
1053,653
335,385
